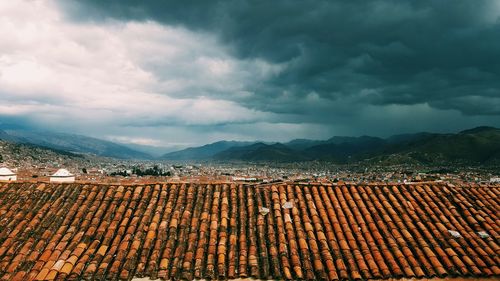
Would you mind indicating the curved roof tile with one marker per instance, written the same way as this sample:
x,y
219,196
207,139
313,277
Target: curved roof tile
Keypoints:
x,y
219,231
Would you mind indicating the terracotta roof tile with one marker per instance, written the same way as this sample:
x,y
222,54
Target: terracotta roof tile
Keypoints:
x,y
188,231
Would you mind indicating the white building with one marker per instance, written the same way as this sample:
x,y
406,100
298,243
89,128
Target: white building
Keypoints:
x,y
62,176
7,175
244,179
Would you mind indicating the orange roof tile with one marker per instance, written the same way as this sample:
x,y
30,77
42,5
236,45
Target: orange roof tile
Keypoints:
x,y
186,231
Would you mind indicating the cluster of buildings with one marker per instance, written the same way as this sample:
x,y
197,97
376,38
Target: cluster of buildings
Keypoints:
x,y
125,171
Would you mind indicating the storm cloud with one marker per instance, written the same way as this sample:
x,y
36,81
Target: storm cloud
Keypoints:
x,y
445,54
282,69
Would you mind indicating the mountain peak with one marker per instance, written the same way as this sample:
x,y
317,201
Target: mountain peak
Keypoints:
x,y
73,143
479,129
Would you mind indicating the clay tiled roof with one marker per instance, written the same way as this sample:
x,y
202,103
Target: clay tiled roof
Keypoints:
x,y
225,231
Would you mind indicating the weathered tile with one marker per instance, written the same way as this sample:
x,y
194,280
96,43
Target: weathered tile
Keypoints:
x,y
220,231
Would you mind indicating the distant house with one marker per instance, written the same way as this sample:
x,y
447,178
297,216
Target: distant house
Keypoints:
x,y
7,175
62,176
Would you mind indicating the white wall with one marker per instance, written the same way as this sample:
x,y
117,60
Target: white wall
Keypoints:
x,y
8,178
62,179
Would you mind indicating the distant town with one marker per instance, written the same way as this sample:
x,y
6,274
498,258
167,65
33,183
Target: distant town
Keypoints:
x,y
399,159
100,169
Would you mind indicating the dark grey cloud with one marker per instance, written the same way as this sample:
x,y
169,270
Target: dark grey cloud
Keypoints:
x,y
168,73
442,53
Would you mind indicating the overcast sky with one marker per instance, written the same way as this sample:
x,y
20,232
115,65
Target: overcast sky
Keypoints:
x,y
164,73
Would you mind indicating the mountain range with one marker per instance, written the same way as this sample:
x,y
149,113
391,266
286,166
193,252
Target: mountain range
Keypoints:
x,y
72,143
204,152
37,155
479,145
